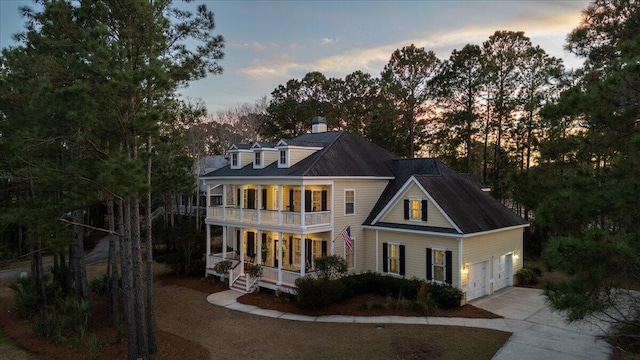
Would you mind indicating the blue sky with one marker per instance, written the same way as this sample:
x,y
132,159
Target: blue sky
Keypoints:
x,y
270,42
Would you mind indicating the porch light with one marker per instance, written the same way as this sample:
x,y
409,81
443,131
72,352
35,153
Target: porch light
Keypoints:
x,y
515,256
465,270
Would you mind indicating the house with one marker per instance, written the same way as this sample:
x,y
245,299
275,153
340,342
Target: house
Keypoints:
x,y
285,204
188,202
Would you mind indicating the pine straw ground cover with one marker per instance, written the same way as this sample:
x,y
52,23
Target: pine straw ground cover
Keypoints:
x,y
190,328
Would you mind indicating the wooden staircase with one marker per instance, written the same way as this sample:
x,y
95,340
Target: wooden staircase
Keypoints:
x,y
240,285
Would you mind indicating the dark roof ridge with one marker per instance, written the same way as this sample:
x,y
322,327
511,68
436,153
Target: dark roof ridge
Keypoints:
x,y
324,149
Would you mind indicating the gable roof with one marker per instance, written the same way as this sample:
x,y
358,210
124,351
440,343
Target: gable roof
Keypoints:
x,y
470,209
342,154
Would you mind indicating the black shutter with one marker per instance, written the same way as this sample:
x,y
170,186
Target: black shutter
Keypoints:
x,y
424,210
406,209
324,248
307,200
238,197
385,256
429,265
290,200
290,250
264,199
448,268
251,246
402,268
323,204
238,241
265,247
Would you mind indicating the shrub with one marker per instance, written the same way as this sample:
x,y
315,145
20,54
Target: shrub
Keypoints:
x,y
223,266
527,276
318,293
254,270
445,295
27,300
100,286
330,267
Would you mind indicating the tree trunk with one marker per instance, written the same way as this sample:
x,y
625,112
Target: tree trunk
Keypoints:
x,y
79,265
151,340
113,264
127,281
141,324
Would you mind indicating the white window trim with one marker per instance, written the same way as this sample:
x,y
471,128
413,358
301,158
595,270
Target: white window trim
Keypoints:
x,y
286,158
354,244
345,202
411,218
388,259
258,155
433,265
237,163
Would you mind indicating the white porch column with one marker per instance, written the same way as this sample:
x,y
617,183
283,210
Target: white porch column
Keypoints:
x,y
224,207
280,244
259,253
225,233
280,205
334,208
303,255
241,250
377,252
303,207
241,203
207,261
259,195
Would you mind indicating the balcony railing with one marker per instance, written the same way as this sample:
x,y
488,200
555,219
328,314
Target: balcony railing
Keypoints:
x,y
288,219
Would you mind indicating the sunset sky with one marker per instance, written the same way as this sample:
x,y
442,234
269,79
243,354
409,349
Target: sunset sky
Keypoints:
x,y
270,42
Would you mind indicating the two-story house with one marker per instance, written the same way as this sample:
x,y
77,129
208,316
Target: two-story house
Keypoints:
x,y
285,204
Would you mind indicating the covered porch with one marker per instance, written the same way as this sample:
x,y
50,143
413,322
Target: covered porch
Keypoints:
x,y
283,257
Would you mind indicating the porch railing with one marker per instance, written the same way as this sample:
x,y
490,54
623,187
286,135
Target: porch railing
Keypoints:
x,y
269,217
317,218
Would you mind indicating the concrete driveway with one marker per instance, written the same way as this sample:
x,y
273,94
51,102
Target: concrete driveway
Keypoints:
x,y
539,333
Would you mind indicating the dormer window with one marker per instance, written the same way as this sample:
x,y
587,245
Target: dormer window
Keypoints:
x,y
234,160
282,159
257,161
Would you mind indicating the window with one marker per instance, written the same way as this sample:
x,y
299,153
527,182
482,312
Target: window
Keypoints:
x,y
234,160
415,209
349,202
258,159
439,265
351,256
283,158
393,258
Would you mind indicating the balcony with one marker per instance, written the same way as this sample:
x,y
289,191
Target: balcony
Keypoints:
x,y
286,219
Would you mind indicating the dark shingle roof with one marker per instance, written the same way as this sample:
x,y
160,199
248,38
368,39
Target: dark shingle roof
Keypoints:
x,y
342,154
471,209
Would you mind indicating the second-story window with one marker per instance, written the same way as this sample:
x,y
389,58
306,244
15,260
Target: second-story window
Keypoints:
x,y
349,202
258,159
283,157
234,159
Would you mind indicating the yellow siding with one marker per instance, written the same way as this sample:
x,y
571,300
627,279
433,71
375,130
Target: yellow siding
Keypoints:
x,y
367,193
269,157
434,216
416,253
295,155
483,247
245,158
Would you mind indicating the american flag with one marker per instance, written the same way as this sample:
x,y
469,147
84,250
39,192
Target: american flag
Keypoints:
x,y
346,234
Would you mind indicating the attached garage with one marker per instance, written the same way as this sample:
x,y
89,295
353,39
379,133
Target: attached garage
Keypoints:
x,y
502,272
477,281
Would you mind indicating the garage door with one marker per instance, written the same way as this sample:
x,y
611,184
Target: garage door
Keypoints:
x,y
477,281
502,270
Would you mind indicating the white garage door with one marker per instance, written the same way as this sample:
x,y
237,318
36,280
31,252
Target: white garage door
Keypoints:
x,y
477,281
502,269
